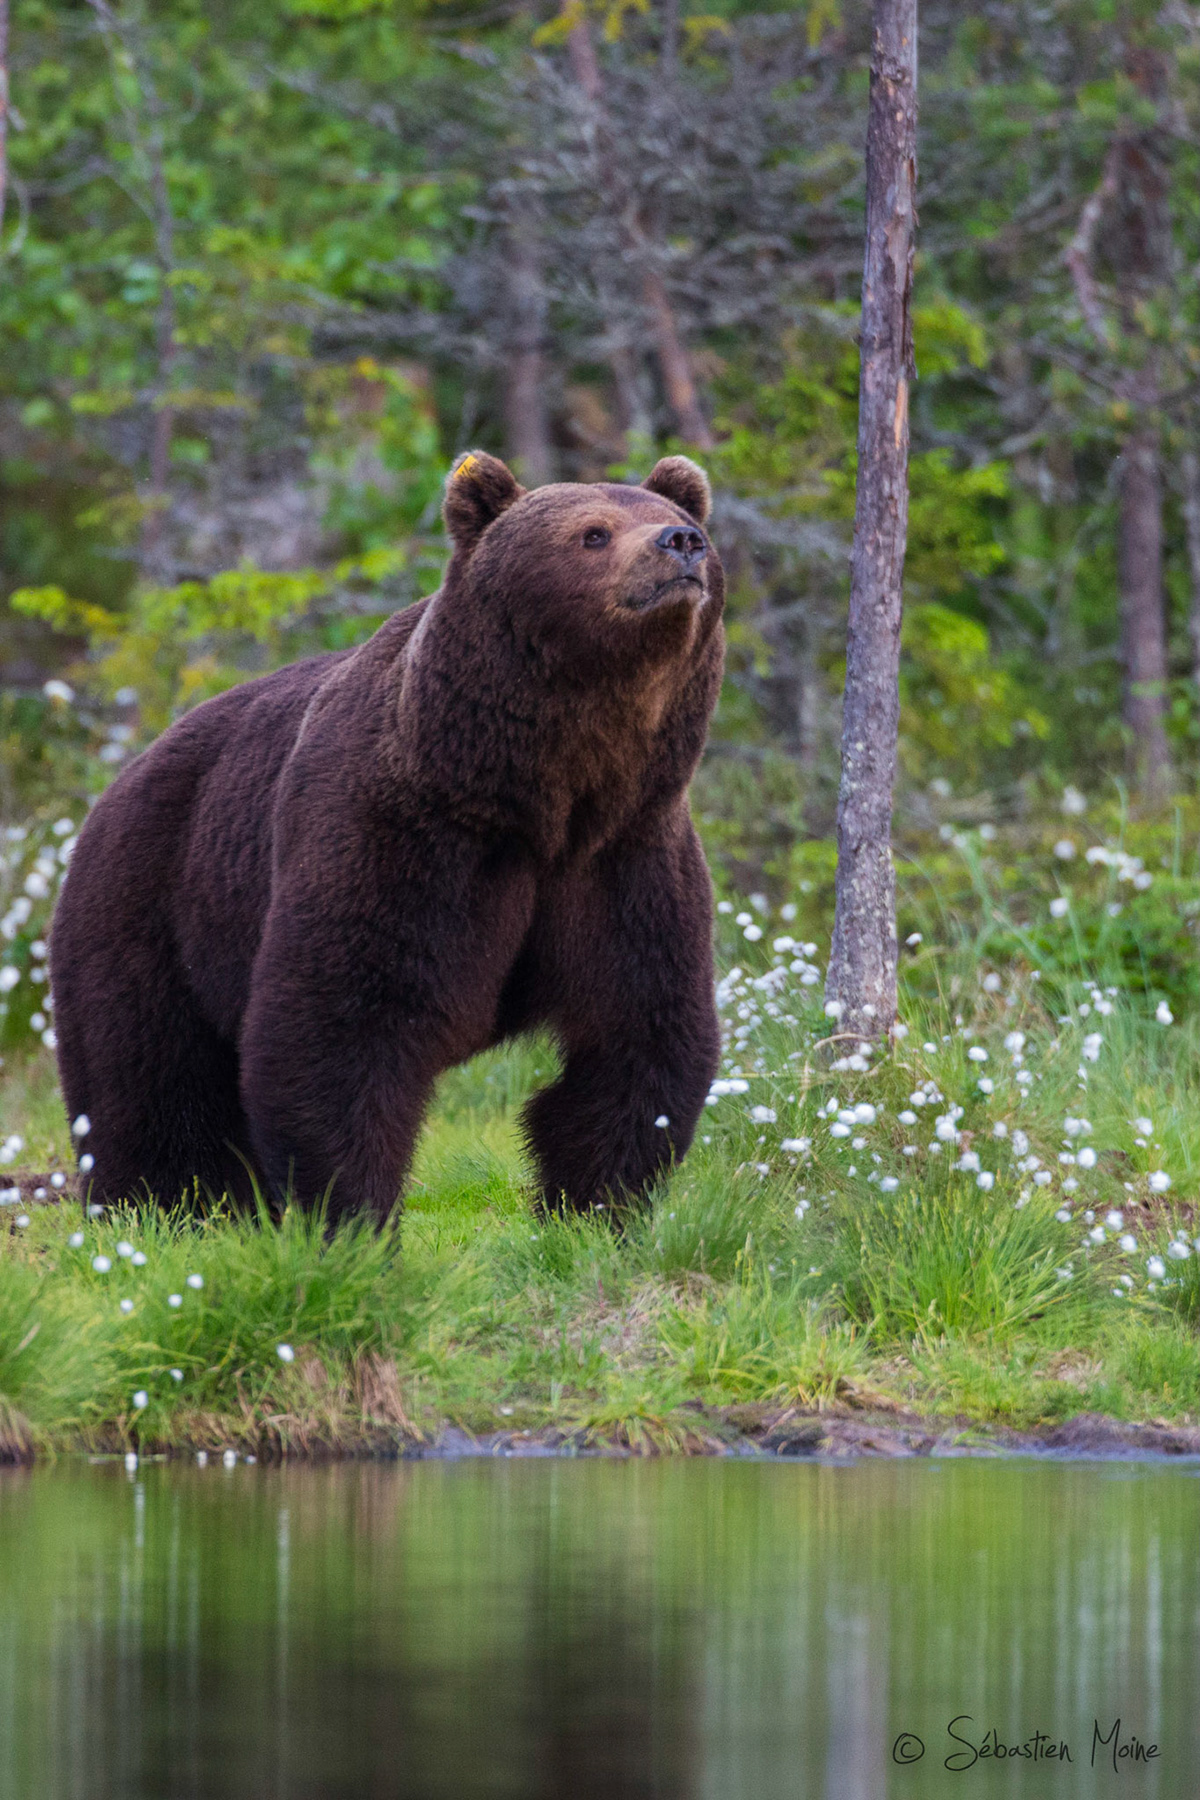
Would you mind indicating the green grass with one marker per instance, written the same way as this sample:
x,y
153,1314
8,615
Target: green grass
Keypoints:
x,y
788,1263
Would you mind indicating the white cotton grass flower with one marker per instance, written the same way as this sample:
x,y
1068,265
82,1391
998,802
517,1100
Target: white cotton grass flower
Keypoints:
x,y
76,1240
1060,906
1092,1045
175,1374
1179,1248
141,1400
127,1306
662,1122
977,1054
1156,1267
175,1300
1163,1013
888,1184
985,1180
195,1281
229,1458
1143,1126
58,1180
1114,1219
86,1164
761,1115
102,1264
81,1126
796,1146
58,690
838,1130
124,1249
285,1353
986,1085
1159,1181
1064,849
1128,1242
138,1259
1086,1158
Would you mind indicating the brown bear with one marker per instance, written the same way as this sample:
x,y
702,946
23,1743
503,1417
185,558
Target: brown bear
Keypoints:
x,y
319,890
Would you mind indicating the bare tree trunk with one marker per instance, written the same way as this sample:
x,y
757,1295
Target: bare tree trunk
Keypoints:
x,y
1190,471
1134,194
678,381
861,983
632,409
3,108
526,418
1143,622
675,363
1143,250
144,129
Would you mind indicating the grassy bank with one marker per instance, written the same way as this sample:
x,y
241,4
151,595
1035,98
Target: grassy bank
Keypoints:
x,y
993,1220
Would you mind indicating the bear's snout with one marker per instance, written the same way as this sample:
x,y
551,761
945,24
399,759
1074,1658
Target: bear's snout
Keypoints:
x,y
684,543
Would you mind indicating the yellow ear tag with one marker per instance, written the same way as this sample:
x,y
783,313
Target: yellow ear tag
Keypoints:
x,y
464,468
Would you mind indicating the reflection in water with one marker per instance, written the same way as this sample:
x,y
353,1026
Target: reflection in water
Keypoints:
x,y
695,1631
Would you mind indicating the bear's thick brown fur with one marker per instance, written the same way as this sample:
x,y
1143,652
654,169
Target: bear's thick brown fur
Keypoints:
x,y
318,891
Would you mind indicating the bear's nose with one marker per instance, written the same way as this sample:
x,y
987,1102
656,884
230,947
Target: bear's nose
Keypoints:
x,y
684,543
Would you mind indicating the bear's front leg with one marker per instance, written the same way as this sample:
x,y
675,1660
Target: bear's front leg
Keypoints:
x,y
628,950
364,990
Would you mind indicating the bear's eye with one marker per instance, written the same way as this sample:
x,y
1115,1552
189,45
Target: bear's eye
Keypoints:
x,y
595,537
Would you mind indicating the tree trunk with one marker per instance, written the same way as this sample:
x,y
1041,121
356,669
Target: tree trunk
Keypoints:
x,y
3,108
861,983
1143,623
1143,254
675,363
526,418
144,117
1190,470
678,381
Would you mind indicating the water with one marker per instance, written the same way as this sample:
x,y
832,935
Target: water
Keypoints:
x,y
583,1629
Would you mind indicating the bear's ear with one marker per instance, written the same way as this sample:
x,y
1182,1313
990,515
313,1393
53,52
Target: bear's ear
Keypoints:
x,y
478,490
679,479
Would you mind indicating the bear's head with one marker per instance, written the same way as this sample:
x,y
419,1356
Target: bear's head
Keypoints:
x,y
595,577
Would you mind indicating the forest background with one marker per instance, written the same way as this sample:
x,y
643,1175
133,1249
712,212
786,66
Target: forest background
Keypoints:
x,y
266,269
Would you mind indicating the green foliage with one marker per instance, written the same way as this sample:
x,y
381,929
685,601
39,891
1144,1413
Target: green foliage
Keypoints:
x,y
957,706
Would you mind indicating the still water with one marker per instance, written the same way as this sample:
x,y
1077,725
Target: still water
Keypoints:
x,y
579,1629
